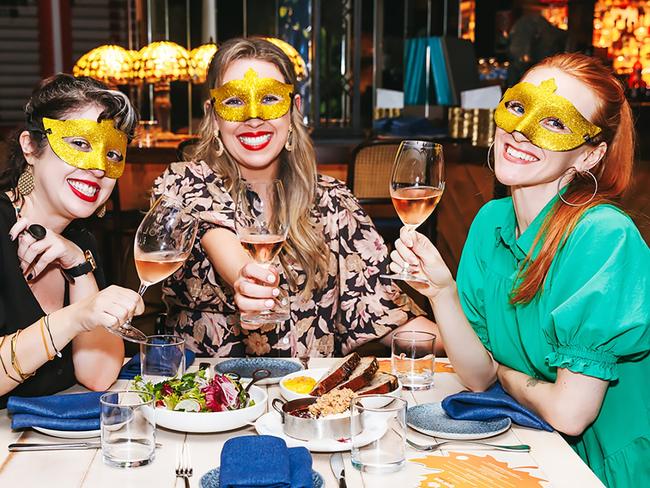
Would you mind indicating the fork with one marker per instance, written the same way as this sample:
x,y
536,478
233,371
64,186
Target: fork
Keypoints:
x,y
184,464
438,445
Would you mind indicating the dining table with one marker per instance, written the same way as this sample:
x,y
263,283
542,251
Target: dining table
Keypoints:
x,y
550,462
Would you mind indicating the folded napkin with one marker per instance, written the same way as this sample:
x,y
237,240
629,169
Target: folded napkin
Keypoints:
x,y
78,411
132,368
492,404
264,461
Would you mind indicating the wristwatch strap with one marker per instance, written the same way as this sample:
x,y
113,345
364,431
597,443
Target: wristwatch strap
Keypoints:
x,y
88,266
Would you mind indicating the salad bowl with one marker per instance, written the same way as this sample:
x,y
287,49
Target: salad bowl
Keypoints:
x,y
203,422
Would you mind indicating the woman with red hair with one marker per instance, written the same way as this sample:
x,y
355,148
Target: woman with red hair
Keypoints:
x,y
552,297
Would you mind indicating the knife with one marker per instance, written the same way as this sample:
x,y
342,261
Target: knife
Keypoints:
x,y
336,463
56,446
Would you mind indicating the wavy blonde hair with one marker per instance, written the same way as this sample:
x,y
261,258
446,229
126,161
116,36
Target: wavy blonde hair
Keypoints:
x,y
305,242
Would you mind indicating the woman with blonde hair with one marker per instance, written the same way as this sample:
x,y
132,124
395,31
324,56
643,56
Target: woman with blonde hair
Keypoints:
x,y
331,262
552,297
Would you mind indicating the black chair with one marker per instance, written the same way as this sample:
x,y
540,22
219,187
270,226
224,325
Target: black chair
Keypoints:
x,y
185,148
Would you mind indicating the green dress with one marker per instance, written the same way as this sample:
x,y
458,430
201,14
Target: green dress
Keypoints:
x,y
592,317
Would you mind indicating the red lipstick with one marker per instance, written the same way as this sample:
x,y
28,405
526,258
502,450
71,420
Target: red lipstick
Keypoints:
x,y
514,159
251,145
84,196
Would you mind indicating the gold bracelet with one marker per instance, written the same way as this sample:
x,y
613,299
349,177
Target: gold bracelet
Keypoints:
x,y
14,358
41,323
3,362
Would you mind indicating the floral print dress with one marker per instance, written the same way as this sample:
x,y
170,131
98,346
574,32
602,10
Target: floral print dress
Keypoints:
x,y
355,306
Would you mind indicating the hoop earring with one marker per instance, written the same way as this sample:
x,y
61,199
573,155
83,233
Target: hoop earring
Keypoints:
x,y
575,171
488,157
101,211
26,181
220,148
289,144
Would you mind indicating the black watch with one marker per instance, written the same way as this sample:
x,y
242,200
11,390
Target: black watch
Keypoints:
x,y
88,266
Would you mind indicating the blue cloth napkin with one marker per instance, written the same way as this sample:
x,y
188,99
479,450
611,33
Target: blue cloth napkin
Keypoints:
x,y
78,411
264,462
491,404
132,368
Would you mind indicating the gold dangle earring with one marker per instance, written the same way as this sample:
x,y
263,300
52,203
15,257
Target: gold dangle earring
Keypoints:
x,y
101,211
26,181
217,139
289,144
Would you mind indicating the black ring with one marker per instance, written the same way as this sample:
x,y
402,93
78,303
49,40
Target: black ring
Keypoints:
x,y
37,231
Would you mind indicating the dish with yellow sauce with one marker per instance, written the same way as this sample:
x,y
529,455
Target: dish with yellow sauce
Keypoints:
x,y
299,384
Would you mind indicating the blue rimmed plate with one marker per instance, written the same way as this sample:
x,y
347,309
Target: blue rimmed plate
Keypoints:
x,y
245,367
431,419
211,479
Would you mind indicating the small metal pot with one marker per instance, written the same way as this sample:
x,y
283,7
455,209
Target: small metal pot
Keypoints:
x,y
309,429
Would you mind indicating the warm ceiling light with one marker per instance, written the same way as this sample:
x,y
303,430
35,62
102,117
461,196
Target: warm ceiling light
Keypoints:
x,y
299,65
200,58
109,64
163,61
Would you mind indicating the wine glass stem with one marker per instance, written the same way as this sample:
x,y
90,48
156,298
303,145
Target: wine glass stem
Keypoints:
x,y
142,288
410,228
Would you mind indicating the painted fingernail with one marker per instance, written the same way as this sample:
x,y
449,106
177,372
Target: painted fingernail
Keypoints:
x,y
276,292
268,303
270,278
29,277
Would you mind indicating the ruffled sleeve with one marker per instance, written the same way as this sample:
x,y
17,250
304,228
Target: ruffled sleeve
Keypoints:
x,y
202,192
370,306
599,289
471,276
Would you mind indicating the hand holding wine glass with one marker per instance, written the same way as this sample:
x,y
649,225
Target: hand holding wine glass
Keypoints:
x,y
163,242
416,187
262,223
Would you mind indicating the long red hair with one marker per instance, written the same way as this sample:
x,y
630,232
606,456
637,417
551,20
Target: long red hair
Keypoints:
x,y
614,172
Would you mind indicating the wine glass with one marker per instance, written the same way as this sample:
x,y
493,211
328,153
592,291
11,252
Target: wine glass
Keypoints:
x,y
162,243
262,223
416,186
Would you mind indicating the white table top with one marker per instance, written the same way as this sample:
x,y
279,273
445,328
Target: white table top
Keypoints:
x,y
551,458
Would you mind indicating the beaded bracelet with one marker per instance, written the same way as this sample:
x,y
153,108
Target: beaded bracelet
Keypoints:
x,y
41,323
2,361
47,324
14,358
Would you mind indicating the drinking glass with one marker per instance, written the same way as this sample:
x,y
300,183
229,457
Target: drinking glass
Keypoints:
x,y
413,359
378,428
163,242
162,357
262,223
416,186
128,428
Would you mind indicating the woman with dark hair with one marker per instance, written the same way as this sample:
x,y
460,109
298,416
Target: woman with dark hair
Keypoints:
x,y
552,297
333,257
62,167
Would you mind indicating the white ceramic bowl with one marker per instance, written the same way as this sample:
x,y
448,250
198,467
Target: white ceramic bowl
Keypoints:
x,y
202,422
317,374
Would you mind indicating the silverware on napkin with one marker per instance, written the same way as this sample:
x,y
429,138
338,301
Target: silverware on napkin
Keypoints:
x,y
56,446
336,463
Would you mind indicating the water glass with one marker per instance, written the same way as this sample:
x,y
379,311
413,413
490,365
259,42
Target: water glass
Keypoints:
x,y
146,133
380,444
413,359
128,428
162,357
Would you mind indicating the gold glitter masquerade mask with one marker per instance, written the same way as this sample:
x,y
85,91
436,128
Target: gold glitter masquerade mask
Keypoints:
x,y
547,120
102,137
252,98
